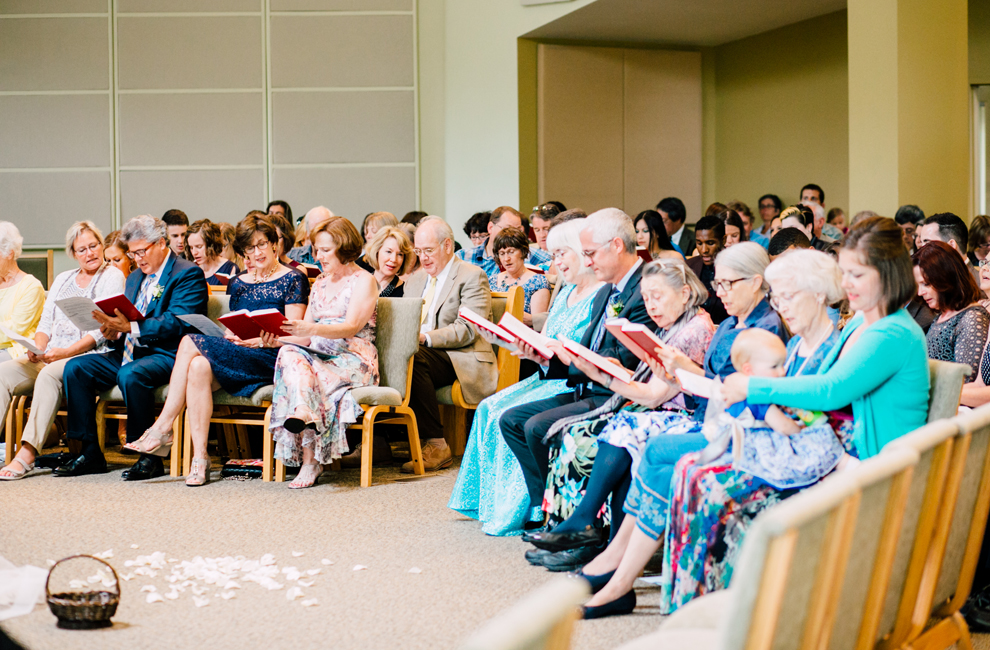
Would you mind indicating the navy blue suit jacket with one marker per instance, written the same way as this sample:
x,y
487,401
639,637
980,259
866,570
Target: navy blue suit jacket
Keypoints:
x,y
184,291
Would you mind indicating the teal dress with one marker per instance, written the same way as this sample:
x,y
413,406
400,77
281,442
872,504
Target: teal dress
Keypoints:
x,y
490,485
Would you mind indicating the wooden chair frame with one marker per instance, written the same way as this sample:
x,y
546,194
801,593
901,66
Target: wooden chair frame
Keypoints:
x,y
103,413
256,415
48,255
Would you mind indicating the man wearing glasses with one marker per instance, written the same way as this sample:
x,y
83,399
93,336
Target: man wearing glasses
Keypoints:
x,y
163,287
482,255
449,346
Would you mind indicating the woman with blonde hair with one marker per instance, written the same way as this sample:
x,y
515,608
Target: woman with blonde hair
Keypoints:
x,y
390,254
60,340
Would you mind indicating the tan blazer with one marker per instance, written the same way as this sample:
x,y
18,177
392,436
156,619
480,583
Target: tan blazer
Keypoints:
x,y
474,362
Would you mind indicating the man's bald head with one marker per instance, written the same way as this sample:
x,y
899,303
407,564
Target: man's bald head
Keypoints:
x,y
316,216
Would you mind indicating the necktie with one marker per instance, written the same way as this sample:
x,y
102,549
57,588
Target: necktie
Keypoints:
x,y
613,298
144,297
431,289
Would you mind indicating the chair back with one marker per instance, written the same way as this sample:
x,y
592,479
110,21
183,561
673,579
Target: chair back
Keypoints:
x,y
946,388
884,483
786,574
41,265
933,443
513,302
217,305
543,620
397,340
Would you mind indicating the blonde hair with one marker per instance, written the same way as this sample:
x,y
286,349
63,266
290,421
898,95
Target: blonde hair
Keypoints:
x,y
756,343
75,232
405,247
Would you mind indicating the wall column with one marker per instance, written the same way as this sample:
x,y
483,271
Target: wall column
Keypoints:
x,y
908,106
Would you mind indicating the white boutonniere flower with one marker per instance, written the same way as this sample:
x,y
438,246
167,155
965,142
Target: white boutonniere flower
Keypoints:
x,y
157,291
615,309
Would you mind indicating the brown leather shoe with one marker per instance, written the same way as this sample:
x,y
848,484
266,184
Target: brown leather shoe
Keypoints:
x,y
434,457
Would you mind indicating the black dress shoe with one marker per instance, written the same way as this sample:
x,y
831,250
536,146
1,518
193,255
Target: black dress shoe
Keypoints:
x,y
527,536
572,559
622,605
51,461
976,610
555,542
597,582
82,465
147,467
535,556
535,527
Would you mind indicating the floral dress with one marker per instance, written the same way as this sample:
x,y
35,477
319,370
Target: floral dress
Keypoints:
x,y
490,485
530,286
713,505
574,450
316,387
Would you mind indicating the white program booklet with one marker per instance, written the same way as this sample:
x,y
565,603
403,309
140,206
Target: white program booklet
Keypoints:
x,y
203,324
17,338
696,384
79,310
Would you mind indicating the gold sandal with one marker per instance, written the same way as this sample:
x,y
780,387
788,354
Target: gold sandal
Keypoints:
x,y
199,472
162,449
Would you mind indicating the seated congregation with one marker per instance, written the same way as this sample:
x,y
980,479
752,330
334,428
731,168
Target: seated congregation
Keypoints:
x,y
783,355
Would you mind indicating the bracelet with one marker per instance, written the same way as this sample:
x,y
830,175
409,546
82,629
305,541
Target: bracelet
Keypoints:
x,y
609,384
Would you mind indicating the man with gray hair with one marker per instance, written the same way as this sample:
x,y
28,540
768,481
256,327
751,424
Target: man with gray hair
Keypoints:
x,y
449,346
304,252
163,287
609,247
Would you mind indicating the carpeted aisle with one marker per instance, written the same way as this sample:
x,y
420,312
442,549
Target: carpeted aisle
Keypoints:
x,y
466,577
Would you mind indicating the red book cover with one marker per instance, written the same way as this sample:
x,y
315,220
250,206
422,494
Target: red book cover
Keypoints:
x,y
312,270
473,317
120,301
603,364
269,320
526,334
644,338
644,253
614,327
241,324
223,278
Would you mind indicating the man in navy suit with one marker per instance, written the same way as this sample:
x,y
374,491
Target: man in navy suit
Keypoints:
x,y
609,247
163,287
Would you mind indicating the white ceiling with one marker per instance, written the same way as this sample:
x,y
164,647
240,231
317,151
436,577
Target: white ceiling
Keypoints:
x,y
681,22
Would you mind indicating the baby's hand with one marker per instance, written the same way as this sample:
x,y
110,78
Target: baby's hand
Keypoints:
x,y
847,462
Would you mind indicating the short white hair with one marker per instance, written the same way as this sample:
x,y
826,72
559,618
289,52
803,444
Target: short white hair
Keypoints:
x,y
11,242
746,258
608,223
75,232
144,228
567,236
440,228
810,270
320,211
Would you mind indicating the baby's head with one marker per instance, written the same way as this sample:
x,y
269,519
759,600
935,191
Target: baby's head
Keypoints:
x,y
758,353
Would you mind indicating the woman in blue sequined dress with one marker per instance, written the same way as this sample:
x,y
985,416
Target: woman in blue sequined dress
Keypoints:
x,y
204,364
490,485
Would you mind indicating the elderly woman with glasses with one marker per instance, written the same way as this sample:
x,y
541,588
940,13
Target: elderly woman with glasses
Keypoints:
x,y
60,340
511,248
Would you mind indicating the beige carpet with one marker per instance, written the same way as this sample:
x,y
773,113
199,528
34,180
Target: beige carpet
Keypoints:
x,y
466,578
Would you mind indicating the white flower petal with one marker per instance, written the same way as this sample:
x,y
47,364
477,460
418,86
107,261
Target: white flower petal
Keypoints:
x,y
415,569
306,583
149,588
135,546
77,584
314,572
326,562
231,585
359,567
172,595
293,593
227,595
155,598
201,602
297,553
310,603
267,559
105,555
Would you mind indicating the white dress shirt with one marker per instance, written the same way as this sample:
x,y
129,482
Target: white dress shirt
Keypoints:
x,y
135,328
441,278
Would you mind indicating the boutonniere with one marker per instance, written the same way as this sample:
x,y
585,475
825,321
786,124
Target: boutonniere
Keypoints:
x,y
157,291
615,309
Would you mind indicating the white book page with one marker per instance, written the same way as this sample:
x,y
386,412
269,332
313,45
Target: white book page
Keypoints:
x,y
17,338
79,310
203,324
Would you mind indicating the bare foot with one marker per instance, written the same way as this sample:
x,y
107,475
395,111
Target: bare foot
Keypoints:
x,y
308,474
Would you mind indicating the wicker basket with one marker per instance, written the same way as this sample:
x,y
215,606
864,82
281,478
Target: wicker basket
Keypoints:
x,y
83,610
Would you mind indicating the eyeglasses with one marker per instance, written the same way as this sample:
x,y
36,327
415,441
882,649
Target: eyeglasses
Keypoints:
x,y
92,248
139,254
776,299
985,263
726,285
478,238
426,252
257,247
590,254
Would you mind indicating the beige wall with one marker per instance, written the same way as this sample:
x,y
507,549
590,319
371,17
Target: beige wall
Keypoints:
x,y
979,42
619,127
782,114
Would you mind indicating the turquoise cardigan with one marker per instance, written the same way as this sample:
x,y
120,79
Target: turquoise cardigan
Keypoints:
x,y
884,377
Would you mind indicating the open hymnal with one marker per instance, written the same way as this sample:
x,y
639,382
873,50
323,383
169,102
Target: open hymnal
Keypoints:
x,y
79,310
249,324
640,339
505,338
696,384
527,335
619,372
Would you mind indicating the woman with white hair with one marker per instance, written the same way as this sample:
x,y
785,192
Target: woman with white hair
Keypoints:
x,y
490,485
21,295
60,339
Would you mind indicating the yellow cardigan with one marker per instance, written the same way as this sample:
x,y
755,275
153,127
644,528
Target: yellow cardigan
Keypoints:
x,y
20,310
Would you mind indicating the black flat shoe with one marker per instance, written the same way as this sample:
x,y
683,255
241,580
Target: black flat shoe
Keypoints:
x,y
82,465
555,542
527,536
618,607
597,582
572,559
147,467
51,461
535,556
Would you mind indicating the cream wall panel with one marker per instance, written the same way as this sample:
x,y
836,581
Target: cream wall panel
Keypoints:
x,y
53,6
192,129
581,133
225,195
342,5
54,54
344,127
349,192
207,52
44,204
173,6
55,131
662,134
334,51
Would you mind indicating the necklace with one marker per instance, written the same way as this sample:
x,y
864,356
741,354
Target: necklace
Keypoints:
x,y
270,273
828,333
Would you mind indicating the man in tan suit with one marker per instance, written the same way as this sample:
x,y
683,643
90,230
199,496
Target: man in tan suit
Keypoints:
x,y
449,346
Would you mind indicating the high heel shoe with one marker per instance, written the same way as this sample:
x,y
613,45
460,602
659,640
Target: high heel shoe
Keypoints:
x,y
199,472
160,445
597,582
624,604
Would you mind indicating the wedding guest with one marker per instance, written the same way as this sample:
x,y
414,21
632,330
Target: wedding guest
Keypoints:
x,y
746,216
22,295
391,256
304,253
176,223
312,406
651,234
909,218
372,224
770,207
115,253
979,239
476,228
837,219
205,364
204,246
674,215
60,340
229,234
977,392
959,332
735,230
490,485
709,240
511,247
484,257
541,221
282,209
163,287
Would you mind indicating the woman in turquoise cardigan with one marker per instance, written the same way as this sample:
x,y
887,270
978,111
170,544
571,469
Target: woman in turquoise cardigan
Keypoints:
x,y
880,365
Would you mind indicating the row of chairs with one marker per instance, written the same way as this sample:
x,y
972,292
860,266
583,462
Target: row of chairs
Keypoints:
x,y
387,403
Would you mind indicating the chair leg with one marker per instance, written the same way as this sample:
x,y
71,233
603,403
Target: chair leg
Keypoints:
x,y
268,449
367,443
19,422
9,438
185,446
279,471
101,423
415,448
448,415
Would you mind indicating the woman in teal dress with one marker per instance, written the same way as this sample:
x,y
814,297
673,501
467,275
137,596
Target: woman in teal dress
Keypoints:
x,y
490,486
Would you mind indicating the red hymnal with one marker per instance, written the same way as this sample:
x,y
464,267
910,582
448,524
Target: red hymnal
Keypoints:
x,y
527,335
474,317
249,324
644,253
311,270
223,278
603,364
126,307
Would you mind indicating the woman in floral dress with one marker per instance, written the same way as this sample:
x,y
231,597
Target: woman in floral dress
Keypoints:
x,y
312,405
